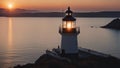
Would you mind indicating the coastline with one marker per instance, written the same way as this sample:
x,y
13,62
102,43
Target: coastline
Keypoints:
x,y
60,14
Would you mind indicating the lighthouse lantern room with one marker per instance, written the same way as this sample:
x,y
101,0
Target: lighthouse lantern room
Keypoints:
x,y
69,32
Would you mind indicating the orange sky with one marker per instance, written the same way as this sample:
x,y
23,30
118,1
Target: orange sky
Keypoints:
x,y
59,5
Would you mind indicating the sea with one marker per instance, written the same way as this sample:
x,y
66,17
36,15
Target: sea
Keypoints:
x,y
24,39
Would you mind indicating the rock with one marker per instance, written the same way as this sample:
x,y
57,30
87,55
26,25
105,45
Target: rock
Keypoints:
x,y
47,61
115,24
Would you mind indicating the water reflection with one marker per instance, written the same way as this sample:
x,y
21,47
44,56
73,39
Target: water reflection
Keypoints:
x,y
9,52
10,32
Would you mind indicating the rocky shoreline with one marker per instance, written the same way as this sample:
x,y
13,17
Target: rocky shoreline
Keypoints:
x,y
89,61
115,24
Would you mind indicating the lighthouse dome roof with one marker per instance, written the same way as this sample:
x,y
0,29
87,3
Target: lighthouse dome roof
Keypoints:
x,y
69,18
68,10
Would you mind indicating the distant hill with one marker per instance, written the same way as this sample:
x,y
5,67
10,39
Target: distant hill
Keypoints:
x,y
99,14
1,9
115,24
17,10
34,13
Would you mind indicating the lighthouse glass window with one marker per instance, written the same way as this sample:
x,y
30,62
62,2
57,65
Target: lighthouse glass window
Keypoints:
x,y
68,13
69,24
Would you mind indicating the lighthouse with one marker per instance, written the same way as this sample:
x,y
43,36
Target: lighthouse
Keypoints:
x,y
69,33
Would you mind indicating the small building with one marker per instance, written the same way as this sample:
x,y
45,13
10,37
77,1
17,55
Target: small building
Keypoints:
x,y
69,33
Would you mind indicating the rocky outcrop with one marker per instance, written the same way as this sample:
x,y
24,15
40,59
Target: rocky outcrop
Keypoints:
x,y
115,24
48,61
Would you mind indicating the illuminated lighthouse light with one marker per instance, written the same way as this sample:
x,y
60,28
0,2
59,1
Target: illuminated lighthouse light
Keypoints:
x,y
69,25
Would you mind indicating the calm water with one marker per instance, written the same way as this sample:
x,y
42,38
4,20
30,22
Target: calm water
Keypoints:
x,y
23,39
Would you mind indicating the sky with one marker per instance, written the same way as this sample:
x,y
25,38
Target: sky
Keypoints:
x,y
60,5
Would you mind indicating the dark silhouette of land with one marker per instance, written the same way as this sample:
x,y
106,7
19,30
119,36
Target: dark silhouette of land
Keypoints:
x,y
115,24
35,13
90,61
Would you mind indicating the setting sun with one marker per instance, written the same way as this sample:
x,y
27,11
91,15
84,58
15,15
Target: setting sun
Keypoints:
x,y
10,6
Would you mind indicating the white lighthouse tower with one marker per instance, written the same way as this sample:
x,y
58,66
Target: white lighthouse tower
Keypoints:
x,y
69,32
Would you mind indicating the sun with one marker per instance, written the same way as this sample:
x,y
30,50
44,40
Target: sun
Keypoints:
x,y
10,6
